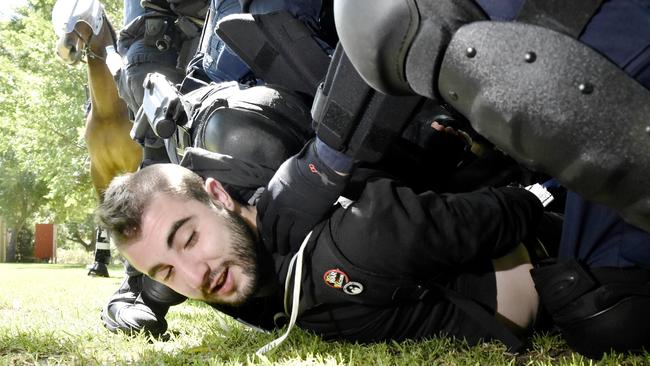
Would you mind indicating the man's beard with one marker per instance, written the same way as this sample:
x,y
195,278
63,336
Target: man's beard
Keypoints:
x,y
245,252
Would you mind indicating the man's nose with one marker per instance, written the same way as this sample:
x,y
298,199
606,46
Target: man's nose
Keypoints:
x,y
195,274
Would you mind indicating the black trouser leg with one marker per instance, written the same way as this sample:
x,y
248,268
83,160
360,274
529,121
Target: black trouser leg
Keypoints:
x,y
102,255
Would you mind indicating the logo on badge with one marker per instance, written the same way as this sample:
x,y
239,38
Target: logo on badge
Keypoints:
x,y
335,278
353,288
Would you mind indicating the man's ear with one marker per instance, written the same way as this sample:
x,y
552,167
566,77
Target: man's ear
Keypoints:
x,y
218,193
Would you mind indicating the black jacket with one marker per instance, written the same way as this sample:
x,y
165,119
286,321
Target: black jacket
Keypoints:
x,y
384,267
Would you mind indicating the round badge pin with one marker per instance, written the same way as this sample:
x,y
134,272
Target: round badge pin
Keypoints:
x,y
335,278
353,288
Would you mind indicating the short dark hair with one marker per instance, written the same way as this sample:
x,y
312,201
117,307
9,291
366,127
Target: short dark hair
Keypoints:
x,y
128,195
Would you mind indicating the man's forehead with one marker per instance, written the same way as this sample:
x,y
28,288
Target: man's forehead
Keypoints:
x,y
164,208
157,218
163,199
161,205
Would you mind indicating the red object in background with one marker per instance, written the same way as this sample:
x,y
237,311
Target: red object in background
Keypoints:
x,y
45,242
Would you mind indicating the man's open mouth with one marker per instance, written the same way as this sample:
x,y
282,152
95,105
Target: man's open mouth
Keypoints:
x,y
218,281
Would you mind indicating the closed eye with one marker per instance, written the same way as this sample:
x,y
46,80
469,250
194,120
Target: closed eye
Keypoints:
x,y
191,241
168,274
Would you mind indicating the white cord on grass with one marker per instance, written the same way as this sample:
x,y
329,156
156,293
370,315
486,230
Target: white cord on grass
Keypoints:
x,y
297,260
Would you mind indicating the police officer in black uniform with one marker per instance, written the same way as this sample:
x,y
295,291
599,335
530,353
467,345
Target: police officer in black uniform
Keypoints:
x,y
470,14
564,90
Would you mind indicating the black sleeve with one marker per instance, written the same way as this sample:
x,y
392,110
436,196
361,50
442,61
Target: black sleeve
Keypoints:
x,y
300,194
393,230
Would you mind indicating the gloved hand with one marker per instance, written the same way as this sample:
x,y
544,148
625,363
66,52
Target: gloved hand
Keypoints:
x,y
140,304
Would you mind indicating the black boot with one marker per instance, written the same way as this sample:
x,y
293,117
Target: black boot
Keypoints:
x,y
139,305
98,269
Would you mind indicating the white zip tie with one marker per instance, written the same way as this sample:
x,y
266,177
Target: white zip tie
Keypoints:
x,y
296,296
541,192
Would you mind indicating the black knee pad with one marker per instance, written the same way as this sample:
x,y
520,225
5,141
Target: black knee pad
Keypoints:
x,y
398,45
264,125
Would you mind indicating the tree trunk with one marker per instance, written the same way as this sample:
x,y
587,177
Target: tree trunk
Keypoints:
x,y
76,237
11,246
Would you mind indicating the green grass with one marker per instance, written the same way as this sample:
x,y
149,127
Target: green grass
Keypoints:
x,y
49,315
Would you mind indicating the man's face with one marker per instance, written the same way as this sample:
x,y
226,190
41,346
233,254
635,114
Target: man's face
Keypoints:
x,y
196,249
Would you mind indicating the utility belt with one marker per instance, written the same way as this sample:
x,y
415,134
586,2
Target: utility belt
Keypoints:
x,y
164,32
195,9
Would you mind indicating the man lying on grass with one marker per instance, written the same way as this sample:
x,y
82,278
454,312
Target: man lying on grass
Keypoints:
x,y
383,264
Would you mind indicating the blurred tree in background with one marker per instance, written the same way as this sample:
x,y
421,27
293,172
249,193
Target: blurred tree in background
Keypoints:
x,y
44,167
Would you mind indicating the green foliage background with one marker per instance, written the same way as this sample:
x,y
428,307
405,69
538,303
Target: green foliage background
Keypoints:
x,y
44,168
